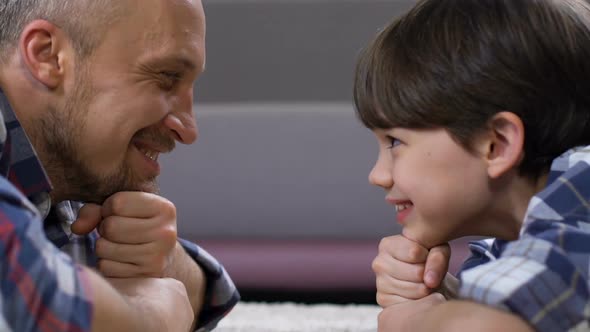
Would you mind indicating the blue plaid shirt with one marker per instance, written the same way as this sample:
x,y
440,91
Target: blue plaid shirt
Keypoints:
x,y
544,275
41,288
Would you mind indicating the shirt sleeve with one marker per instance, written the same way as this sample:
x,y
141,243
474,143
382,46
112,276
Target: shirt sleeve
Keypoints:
x,y
542,277
41,288
221,294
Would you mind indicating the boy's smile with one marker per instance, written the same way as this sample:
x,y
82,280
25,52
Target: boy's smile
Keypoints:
x,y
402,208
439,190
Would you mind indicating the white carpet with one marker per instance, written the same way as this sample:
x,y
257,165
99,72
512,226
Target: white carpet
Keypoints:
x,y
291,317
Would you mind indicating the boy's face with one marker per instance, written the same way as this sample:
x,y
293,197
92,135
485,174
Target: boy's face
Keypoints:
x,y
439,190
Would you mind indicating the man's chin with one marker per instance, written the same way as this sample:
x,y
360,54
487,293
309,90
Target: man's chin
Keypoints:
x,y
147,187
102,195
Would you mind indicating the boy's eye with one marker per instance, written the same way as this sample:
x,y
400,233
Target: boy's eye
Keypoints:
x,y
393,142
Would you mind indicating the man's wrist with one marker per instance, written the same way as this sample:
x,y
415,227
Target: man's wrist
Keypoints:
x,y
183,268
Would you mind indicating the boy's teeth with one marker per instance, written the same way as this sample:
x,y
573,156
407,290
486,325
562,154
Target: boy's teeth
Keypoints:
x,y
401,207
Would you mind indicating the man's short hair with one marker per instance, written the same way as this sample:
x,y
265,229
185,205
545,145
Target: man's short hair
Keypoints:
x,y
85,21
454,64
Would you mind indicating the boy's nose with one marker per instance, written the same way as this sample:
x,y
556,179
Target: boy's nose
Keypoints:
x,y
380,175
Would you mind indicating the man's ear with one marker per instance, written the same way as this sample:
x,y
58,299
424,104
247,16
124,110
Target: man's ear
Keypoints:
x,y
505,144
41,47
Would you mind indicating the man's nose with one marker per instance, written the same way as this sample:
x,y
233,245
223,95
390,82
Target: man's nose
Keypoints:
x,y
182,119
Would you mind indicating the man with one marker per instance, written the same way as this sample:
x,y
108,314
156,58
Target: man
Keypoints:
x,y
92,92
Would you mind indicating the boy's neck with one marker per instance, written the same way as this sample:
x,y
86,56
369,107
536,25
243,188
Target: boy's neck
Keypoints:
x,y
512,205
541,182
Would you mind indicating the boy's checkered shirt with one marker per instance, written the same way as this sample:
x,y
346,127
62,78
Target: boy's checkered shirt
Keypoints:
x,y
544,275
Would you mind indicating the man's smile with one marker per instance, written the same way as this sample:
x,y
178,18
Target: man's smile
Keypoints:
x,y
150,154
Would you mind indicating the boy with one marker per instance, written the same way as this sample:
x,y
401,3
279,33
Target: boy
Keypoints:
x,y
482,113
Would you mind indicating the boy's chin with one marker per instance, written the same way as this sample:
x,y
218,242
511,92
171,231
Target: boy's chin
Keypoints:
x,y
424,239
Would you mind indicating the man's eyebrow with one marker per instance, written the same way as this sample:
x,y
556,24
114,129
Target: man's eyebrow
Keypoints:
x,y
182,61
185,62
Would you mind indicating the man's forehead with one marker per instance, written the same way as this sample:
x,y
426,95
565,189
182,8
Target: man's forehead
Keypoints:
x,y
168,31
185,4
161,9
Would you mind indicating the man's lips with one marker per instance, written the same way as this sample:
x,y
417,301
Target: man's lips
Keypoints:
x,y
150,150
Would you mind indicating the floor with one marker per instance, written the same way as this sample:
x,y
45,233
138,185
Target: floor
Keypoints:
x,y
291,317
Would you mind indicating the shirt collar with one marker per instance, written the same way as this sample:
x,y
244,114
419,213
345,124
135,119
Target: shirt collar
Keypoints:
x,y
567,160
19,161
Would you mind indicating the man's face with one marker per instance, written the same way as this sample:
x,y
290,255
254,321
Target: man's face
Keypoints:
x,y
439,190
130,101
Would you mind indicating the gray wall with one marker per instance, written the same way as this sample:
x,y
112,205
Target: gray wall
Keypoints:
x,y
289,50
280,153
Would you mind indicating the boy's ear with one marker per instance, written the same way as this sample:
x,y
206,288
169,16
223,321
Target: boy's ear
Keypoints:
x,y
505,143
41,47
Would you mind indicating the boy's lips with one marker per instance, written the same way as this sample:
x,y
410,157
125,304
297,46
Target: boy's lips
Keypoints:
x,y
403,207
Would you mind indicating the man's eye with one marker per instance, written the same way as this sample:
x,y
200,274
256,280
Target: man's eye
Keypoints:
x,y
171,74
393,142
169,78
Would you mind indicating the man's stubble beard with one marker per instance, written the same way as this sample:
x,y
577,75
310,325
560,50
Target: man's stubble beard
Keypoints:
x,y
59,133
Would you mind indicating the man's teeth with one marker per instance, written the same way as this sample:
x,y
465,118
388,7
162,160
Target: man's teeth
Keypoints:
x,y
153,155
401,207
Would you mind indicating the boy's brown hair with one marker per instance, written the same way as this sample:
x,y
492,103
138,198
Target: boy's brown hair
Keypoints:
x,y
455,63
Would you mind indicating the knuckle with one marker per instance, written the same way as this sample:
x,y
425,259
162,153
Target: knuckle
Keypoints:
x,y
378,265
422,291
168,208
419,272
106,227
169,235
414,253
103,266
385,300
100,246
380,284
118,202
386,242
380,298
382,244
385,285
